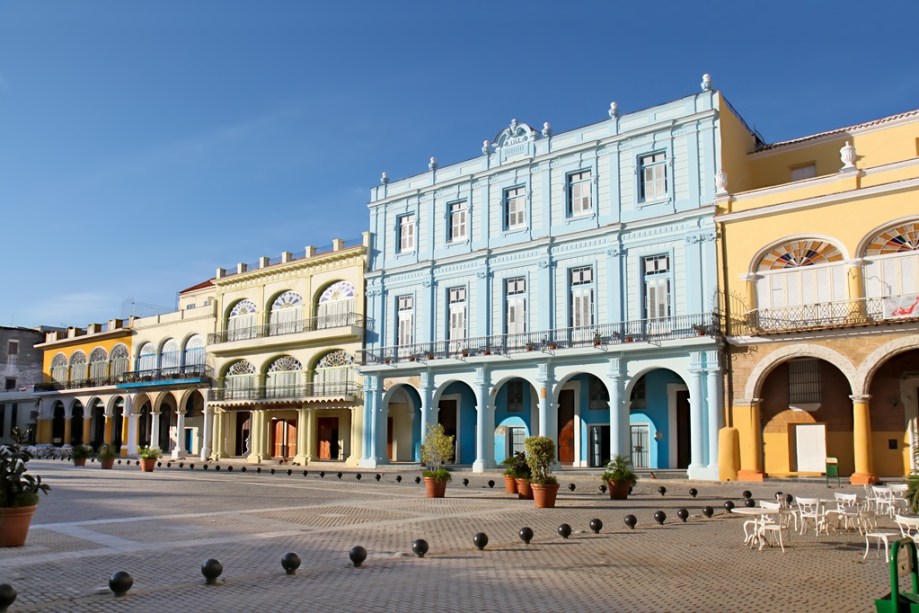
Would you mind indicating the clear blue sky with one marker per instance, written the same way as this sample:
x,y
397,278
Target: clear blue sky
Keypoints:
x,y
145,143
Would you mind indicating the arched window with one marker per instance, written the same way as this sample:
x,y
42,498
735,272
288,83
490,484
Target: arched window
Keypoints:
x,y
333,374
119,361
194,354
170,357
286,314
241,323
336,304
240,381
59,368
78,366
146,359
98,365
283,378
800,272
892,267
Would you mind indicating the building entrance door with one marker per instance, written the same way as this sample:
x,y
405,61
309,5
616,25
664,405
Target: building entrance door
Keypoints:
x,y
566,427
328,438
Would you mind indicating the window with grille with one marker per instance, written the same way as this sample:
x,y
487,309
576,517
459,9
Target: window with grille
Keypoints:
x,y
582,296
457,230
579,199
657,286
804,387
653,172
457,329
514,208
406,233
516,307
406,320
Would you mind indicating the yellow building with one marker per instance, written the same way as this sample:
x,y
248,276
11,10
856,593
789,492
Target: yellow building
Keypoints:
x,y
287,335
819,250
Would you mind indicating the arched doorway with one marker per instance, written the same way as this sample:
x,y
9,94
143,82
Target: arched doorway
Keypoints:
x,y
76,423
97,424
806,415
167,425
57,424
659,421
403,424
456,413
144,421
516,416
118,423
894,412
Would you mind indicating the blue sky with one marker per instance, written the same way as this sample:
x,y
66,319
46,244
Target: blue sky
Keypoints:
x,y
145,143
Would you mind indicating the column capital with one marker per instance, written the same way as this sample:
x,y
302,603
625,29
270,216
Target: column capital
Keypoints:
x,y
864,398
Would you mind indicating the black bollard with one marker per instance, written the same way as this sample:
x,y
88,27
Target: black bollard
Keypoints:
x,y
682,514
491,483
525,534
630,521
480,540
660,517
564,531
465,482
747,494
596,525
357,554
708,511
729,506
358,476
662,490
602,488
120,583
290,563
398,478
8,596
378,476
693,492
420,547
211,569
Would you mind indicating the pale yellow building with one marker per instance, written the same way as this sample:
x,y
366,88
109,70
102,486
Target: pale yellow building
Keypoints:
x,y
819,263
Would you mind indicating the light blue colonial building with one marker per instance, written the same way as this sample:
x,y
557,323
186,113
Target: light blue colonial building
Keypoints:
x,y
557,284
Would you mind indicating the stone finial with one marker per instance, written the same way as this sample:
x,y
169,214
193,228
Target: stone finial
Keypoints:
x,y
847,155
706,82
384,178
721,183
432,163
486,146
546,129
613,110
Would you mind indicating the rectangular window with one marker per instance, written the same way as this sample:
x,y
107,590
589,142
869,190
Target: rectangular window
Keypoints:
x,y
457,231
579,202
653,172
516,311
457,330
405,328
12,348
805,171
10,383
515,437
406,233
804,390
582,297
657,286
514,208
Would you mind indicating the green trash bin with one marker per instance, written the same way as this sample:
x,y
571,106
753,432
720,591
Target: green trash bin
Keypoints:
x,y
832,471
897,601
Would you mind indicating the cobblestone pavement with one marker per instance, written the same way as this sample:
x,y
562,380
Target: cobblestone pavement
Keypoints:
x,y
161,526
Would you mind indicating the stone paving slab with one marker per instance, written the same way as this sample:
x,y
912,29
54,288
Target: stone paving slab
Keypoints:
x,y
160,527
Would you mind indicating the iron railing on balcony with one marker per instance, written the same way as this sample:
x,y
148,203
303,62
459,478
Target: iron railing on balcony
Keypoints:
x,y
325,322
601,335
287,392
823,315
192,371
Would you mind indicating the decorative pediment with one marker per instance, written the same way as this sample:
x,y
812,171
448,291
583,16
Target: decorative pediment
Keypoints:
x,y
514,134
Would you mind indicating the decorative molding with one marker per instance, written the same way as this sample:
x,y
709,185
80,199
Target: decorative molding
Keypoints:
x,y
701,237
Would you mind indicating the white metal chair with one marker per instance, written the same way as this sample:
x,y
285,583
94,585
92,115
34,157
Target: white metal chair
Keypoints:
x,y
882,500
772,523
909,527
868,525
898,497
812,509
846,509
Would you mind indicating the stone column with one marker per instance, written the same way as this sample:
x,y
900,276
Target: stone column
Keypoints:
x,y
207,437
619,433
179,449
426,390
861,443
87,427
696,424
485,423
68,427
356,434
312,435
107,432
155,429
303,437
130,421
747,421
714,394
857,311
373,401
544,378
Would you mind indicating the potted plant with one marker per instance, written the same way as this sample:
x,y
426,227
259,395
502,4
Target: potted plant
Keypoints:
x,y
148,457
436,450
598,340
106,456
512,471
80,453
619,477
540,451
19,491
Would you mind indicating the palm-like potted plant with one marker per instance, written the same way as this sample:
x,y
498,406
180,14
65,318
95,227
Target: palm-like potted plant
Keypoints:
x,y
148,457
436,450
540,452
619,477
80,453
106,456
19,491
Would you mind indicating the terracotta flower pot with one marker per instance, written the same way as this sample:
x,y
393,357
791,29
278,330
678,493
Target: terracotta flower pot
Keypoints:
x,y
524,492
434,488
544,495
79,461
147,464
618,490
510,485
14,525
107,464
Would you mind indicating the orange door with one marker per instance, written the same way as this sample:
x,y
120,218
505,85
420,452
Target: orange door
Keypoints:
x,y
566,427
328,438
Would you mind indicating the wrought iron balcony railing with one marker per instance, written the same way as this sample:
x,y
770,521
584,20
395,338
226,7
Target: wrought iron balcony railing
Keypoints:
x,y
191,371
824,315
602,335
286,392
326,322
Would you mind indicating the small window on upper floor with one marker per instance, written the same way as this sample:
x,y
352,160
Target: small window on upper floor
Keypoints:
x,y
12,348
579,199
406,233
10,384
456,233
653,177
515,208
804,171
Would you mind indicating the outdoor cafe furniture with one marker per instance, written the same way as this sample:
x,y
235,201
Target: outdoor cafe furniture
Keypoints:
x,y
868,524
812,511
768,518
846,510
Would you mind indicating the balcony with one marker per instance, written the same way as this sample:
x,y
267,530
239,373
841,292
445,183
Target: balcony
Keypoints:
x,y
190,373
346,391
327,326
653,331
829,315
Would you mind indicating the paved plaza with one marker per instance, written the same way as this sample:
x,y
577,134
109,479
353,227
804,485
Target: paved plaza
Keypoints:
x,y
161,526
